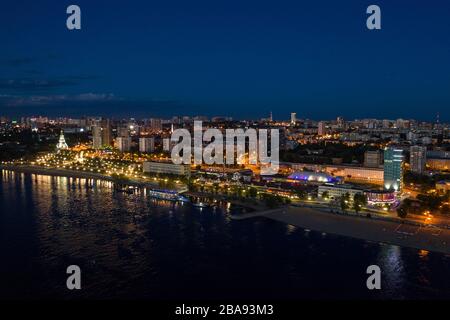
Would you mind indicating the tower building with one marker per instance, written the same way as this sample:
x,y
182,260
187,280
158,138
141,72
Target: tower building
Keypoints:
x,y
393,169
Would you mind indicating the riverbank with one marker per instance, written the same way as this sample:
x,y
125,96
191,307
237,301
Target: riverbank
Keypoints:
x,y
55,172
418,237
392,232
60,172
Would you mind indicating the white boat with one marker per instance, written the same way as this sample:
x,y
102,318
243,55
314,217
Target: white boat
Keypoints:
x,y
200,204
167,195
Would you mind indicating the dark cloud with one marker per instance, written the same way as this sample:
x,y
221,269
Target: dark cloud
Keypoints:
x,y
33,72
61,99
24,61
98,104
82,77
35,84
18,62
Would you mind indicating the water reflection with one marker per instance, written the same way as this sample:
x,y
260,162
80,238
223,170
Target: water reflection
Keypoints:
x,y
132,245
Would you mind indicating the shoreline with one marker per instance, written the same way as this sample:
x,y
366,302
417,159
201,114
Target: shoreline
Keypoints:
x,y
380,231
55,172
376,230
58,172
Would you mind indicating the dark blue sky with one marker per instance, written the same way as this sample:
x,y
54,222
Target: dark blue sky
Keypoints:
x,y
235,57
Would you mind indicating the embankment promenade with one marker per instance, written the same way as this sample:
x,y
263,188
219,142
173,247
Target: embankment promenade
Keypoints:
x,y
425,237
71,173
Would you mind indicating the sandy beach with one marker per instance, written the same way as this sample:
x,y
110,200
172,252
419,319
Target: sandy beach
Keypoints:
x,y
419,237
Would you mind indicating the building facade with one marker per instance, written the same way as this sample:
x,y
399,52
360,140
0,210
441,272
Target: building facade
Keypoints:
x,y
293,117
372,159
62,145
107,138
443,186
393,169
156,124
418,158
336,191
438,164
321,128
166,168
97,137
123,144
102,134
355,174
146,145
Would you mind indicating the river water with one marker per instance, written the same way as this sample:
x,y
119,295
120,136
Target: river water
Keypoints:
x,y
136,247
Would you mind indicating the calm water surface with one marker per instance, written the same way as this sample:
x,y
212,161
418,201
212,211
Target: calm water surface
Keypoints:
x,y
132,246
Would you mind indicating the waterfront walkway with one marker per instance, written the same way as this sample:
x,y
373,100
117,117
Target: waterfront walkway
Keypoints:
x,y
137,182
423,237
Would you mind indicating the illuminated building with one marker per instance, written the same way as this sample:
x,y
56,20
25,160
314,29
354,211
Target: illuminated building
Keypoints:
x,y
438,160
393,169
321,128
340,122
336,191
312,177
372,159
167,168
123,144
97,137
293,117
168,144
418,158
438,164
349,173
62,142
380,197
146,145
107,138
443,186
123,132
156,124
101,134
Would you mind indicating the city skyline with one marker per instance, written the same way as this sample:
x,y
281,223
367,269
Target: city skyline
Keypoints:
x,y
224,158
318,60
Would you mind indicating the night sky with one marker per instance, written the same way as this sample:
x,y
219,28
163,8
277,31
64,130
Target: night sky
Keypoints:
x,y
230,58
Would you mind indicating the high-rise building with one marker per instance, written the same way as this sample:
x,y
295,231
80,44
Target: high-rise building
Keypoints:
x,y
168,144
97,137
293,117
107,138
123,144
402,124
321,128
340,122
418,158
177,120
156,124
123,132
101,133
372,159
393,169
146,145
